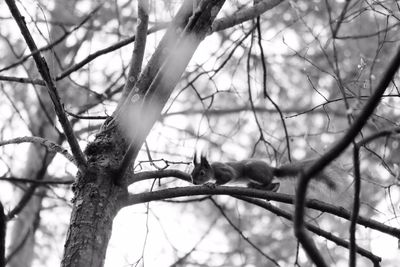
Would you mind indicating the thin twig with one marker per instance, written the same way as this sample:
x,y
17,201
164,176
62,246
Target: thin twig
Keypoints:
x,y
221,210
264,66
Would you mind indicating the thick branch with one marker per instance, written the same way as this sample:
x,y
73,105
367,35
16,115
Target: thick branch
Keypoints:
x,y
159,174
249,192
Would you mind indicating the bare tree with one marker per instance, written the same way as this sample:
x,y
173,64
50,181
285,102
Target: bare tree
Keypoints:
x,y
279,80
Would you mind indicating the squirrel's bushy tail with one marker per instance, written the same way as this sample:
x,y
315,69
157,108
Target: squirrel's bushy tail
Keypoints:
x,y
294,169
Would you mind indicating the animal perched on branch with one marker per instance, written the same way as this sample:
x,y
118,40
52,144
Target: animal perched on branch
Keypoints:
x,y
256,173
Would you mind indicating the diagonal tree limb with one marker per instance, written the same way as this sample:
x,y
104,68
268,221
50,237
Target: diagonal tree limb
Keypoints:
x,y
138,50
45,73
169,74
299,228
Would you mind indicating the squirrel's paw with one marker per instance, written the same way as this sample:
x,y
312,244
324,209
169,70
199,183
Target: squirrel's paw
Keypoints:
x,y
210,185
274,187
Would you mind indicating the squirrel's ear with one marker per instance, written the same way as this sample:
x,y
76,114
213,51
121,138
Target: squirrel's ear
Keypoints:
x,y
203,161
195,159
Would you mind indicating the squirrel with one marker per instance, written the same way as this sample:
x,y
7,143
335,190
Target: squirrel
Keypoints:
x,y
257,173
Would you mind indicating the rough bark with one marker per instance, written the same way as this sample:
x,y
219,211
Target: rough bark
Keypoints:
x,y
96,201
3,225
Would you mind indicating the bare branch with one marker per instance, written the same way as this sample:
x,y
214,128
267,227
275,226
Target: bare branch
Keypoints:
x,y
22,80
139,48
383,133
51,146
244,15
38,182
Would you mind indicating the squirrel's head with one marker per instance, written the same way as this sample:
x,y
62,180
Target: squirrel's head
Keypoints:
x,y
202,171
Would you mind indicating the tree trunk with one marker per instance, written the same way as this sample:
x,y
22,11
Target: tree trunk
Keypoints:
x,y
96,201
